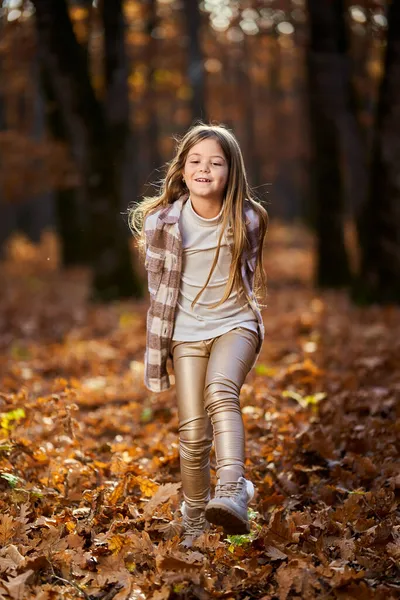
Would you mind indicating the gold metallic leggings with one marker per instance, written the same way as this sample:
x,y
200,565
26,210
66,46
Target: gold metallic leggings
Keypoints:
x,y
208,377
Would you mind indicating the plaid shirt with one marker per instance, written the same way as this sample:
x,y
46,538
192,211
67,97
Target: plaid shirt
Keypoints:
x,y
163,263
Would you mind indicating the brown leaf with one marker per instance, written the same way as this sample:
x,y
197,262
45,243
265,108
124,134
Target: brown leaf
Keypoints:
x,y
117,493
162,594
164,493
7,564
14,554
112,569
7,528
347,549
281,530
274,553
173,563
345,576
295,574
16,585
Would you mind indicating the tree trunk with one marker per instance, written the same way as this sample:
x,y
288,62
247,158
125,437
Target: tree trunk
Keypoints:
x,y
328,97
71,217
247,91
154,157
89,136
195,60
116,103
379,223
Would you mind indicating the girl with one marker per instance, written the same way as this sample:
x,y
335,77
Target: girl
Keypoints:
x,y
203,238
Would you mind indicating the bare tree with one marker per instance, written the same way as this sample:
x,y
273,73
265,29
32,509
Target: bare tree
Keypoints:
x,y
116,102
328,94
154,157
196,60
89,133
379,223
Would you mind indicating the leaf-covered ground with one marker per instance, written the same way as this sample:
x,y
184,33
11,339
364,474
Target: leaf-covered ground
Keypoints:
x,y
89,467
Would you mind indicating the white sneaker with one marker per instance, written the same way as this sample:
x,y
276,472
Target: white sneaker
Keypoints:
x,y
194,523
229,506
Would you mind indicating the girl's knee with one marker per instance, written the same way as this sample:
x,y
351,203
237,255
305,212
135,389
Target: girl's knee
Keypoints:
x,y
198,431
195,452
221,395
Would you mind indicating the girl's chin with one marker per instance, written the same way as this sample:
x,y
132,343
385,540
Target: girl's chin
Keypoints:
x,y
204,192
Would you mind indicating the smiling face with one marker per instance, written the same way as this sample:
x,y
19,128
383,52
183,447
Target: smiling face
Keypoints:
x,y
206,171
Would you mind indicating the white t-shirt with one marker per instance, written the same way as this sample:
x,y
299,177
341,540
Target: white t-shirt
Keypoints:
x,y
199,244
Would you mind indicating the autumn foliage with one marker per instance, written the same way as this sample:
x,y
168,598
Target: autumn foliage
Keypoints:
x,y
89,466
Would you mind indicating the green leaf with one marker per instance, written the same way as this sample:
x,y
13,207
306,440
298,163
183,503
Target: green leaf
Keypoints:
x,y
304,401
247,538
20,352
13,480
262,369
252,514
7,418
146,415
6,448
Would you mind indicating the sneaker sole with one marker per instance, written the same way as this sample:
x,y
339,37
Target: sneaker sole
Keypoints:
x,y
230,521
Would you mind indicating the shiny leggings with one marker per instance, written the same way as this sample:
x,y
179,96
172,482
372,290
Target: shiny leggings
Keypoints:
x,y
208,377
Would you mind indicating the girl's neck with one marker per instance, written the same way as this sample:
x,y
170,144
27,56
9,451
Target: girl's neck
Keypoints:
x,y
206,208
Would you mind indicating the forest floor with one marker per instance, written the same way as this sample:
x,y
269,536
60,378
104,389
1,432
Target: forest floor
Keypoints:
x,y
89,468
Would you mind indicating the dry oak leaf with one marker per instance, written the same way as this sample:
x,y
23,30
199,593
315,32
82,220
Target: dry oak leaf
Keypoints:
x,y
162,594
7,564
274,553
112,569
347,548
345,576
164,493
139,544
394,550
209,541
13,554
295,574
281,531
117,493
16,585
147,486
7,528
177,563
170,529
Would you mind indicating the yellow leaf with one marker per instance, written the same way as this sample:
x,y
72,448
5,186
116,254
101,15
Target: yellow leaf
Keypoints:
x,y
147,486
13,415
115,543
117,493
262,369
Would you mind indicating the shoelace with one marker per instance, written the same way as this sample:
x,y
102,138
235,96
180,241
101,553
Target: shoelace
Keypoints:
x,y
194,526
229,490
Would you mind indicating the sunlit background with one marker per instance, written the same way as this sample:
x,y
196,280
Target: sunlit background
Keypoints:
x,y
255,82
94,94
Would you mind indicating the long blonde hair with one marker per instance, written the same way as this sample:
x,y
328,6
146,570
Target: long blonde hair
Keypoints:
x,y
237,192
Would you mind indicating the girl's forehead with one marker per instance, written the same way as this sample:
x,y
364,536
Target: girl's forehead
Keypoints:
x,y
208,146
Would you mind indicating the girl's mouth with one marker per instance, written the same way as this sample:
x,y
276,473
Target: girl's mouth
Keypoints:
x,y
203,180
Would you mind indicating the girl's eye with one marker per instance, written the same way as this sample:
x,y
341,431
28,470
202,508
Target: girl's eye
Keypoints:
x,y
193,162
217,165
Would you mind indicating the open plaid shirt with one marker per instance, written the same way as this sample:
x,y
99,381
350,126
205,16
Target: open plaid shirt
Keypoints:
x,y
163,263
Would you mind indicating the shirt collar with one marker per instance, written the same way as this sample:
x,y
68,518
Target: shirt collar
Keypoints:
x,y
171,212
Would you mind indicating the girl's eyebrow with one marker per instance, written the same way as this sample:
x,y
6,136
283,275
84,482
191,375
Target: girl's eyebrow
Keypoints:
x,y
212,156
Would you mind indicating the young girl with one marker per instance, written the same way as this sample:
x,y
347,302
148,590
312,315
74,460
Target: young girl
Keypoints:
x,y
203,238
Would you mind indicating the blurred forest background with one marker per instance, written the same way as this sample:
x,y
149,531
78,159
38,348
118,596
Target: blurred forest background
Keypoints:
x,y
92,93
